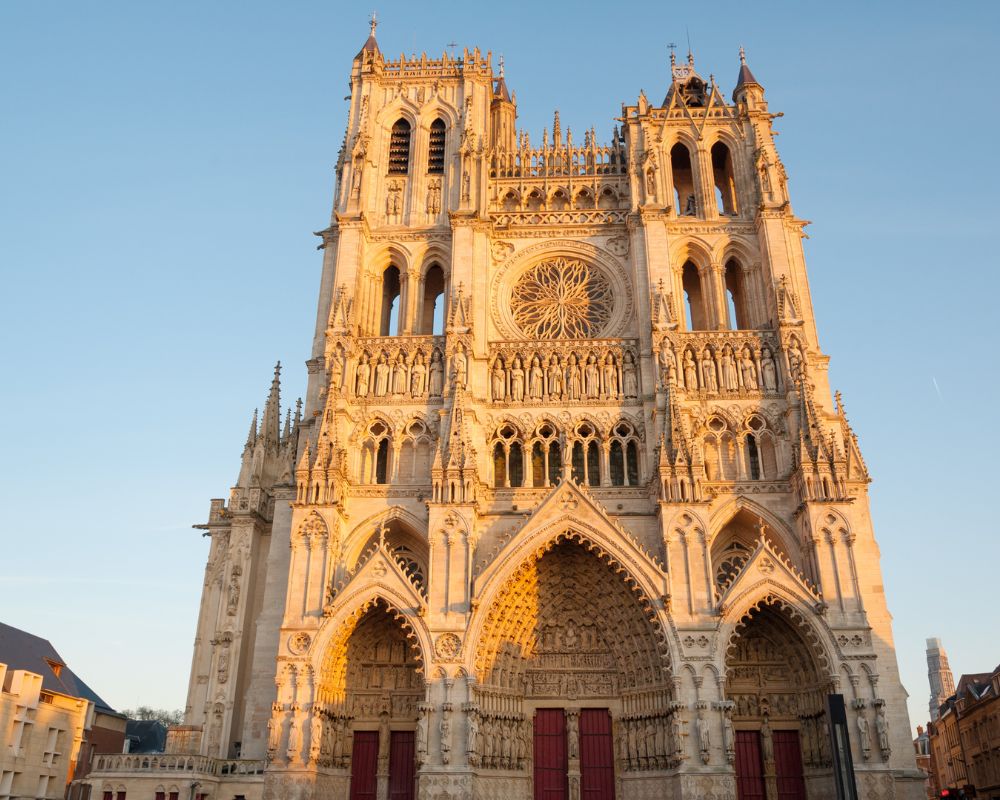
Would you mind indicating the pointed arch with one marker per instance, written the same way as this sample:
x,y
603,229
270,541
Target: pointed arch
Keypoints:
x,y
777,528
359,537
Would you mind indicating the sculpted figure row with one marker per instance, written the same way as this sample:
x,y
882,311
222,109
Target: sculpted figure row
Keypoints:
x,y
591,376
721,369
415,377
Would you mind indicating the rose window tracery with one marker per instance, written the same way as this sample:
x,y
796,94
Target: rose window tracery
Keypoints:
x,y
562,298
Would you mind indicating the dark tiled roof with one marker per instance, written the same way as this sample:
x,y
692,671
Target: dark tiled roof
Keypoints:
x,y
370,46
746,76
501,93
146,735
22,650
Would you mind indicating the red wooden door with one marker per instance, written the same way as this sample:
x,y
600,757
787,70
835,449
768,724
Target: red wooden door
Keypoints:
x,y
788,765
550,755
402,766
597,755
364,762
749,766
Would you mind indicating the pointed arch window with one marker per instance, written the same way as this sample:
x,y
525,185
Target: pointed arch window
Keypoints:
x,y
697,319
390,319
432,313
686,204
399,148
725,180
435,155
736,296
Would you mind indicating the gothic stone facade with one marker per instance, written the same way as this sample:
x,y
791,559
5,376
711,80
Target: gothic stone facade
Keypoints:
x,y
570,508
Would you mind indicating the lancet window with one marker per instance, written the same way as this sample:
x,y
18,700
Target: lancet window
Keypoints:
x,y
546,456
736,296
586,455
435,154
762,462
508,458
399,148
685,202
432,311
390,320
748,454
376,453
623,456
725,180
415,455
694,297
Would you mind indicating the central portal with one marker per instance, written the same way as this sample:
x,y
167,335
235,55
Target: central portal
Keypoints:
x,y
573,683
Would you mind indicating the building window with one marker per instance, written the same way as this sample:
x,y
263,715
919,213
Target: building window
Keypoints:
x,y
399,148
694,305
685,203
725,182
435,156
391,318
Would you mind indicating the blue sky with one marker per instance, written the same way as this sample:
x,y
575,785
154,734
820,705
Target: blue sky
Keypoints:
x,y
163,167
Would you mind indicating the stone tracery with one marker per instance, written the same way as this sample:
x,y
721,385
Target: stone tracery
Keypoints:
x,y
562,298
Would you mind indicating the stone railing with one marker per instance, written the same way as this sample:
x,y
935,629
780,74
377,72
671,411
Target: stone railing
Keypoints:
x,y
505,219
560,160
166,762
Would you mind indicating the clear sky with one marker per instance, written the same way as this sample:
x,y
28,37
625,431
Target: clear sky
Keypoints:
x,y
163,166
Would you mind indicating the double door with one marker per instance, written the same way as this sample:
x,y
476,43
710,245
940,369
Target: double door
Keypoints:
x,y
364,766
752,778
589,748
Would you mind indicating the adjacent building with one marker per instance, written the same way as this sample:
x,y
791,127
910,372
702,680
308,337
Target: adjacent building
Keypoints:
x,y
51,722
571,511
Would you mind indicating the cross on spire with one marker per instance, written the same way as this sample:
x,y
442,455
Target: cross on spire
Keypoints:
x,y
501,65
373,22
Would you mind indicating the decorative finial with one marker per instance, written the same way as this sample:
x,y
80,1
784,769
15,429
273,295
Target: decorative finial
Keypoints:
x,y
673,56
761,528
501,65
743,56
373,21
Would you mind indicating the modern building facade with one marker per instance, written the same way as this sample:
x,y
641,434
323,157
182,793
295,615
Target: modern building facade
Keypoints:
x,y
570,510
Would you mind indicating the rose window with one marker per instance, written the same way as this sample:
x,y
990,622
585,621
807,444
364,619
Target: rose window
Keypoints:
x,y
562,299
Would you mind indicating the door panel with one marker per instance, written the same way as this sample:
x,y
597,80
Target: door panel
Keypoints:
x,y
402,766
788,765
597,755
749,766
550,755
364,761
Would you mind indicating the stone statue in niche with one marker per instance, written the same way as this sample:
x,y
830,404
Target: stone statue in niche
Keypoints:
x,y
473,737
498,381
766,741
864,734
382,376
574,380
592,378
517,381
749,370
690,206
729,734
650,186
768,371
704,736
394,199
690,371
730,381
233,600
363,374
610,375
315,736
223,667
708,380
572,737
445,731
292,751
434,197
630,379
882,729
460,367
421,736
418,374
677,733
337,368
399,376
436,375
555,378
273,734
536,380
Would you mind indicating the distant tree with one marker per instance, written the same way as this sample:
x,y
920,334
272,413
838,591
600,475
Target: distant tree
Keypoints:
x,y
168,718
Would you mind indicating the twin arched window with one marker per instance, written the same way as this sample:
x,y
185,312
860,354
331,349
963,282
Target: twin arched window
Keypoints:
x,y
399,147
686,201
699,308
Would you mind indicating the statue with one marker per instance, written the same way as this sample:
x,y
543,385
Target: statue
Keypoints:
x,y
610,375
882,729
418,373
337,369
708,380
730,380
434,197
517,382
460,366
381,376
536,380
436,375
466,185
630,378
445,730
223,668
650,185
704,737
864,734
273,735
729,734
399,376
574,379
473,736
690,371
498,381
766,741
362,375
421,736
592,378
768,371
677,732
315,736
572,737
691,206
293,740
233,601
749,370
555,378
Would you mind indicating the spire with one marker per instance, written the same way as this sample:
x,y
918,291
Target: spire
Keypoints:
x,y
556,130
271,428
500,92
252,435
746,77
371,46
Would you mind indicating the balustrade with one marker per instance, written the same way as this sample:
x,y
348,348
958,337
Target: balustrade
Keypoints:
x,y
165,762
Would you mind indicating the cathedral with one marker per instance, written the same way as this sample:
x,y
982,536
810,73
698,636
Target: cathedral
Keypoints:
x,y
570,511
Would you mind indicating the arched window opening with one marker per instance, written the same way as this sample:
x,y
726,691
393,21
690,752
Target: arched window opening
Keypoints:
x,y
768,458
616,457
382,462
515,465
697,319
555,463
537,464
632,463
729,563
739,318
510,202
725,181
435,155
432,313
390,319
560,202
499,465
578,463
753,458
399,148
608,199
535,202
685,203
593,465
